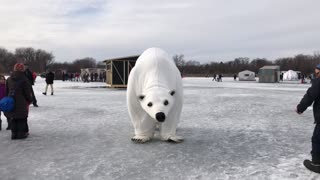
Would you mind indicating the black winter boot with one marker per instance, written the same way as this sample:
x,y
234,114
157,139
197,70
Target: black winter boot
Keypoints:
x,y
44,93
312,166
52,94
13,136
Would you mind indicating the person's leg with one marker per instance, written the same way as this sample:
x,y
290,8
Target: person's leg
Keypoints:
x,y
14,128
34,100
26,127
47,87
51,85
0,122
9,120
45,90
314,164
21,128
315,152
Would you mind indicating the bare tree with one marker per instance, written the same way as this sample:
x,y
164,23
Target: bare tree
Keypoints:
x,y
87,62
179,61
38,60
7,61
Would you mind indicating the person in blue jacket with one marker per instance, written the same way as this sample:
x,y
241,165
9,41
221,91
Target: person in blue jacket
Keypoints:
x,y
313,96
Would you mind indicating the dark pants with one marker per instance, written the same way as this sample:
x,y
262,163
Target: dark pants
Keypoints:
x,y
19,127
34,100
316,144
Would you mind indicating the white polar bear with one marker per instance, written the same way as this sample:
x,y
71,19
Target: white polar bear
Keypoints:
x,y
154,96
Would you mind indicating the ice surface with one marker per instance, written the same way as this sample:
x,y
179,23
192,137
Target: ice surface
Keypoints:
x,y
232,130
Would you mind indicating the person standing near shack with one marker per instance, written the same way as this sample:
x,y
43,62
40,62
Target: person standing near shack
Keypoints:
x,y
19,86
220,78
49,81
91,77
313,96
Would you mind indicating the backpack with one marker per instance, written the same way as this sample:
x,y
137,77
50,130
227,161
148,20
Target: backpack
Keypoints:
x,y
7,103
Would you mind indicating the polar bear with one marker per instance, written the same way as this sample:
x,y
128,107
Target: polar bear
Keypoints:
x,y
155,96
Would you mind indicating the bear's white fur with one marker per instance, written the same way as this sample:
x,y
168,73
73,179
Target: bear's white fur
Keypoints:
x,y
155,86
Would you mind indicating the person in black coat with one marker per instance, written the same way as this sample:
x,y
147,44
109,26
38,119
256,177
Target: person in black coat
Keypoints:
x,y
313,96
18,85
49,81
29,75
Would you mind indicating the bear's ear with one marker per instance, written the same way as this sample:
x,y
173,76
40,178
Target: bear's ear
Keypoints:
x,y
141,97
172,92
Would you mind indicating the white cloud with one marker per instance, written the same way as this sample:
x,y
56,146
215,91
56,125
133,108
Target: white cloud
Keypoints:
x,y
202,30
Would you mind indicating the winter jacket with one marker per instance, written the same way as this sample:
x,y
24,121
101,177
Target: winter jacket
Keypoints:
x,y
23,96
2,88
312,96
29,76
49,78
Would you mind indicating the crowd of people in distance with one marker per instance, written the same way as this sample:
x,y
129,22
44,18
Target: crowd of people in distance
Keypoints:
x,y
217,77
85,77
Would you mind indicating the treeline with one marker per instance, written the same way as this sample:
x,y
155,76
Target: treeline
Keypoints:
x,y
303,63
37,59
40,60
76,65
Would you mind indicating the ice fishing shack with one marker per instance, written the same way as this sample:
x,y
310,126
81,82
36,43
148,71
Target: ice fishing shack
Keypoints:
x,y
118,70
269,74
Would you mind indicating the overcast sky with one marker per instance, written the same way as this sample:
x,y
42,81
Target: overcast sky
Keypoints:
x,y
202,30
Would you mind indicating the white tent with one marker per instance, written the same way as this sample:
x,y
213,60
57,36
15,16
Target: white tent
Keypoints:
x,y
290,76
246,76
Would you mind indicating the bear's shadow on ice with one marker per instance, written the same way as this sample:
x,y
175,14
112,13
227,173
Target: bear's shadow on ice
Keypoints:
x,y
237,146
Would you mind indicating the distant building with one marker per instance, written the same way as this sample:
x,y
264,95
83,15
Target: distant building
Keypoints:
x,y
118,70
269,74
247,76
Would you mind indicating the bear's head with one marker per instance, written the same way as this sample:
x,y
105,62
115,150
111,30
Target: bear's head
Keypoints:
x,y
157,103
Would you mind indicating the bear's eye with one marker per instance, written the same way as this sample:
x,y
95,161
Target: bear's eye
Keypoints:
x,y
150,104
166,102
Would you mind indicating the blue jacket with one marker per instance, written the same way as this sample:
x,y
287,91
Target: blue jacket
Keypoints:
x,y
312,96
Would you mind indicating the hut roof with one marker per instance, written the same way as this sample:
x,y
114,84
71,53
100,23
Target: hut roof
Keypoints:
x,y
246,71
270,67
127,58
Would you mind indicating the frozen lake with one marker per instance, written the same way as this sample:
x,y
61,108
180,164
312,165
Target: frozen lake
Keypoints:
x,y
232,130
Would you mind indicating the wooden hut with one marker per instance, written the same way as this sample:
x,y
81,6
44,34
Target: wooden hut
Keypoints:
x,y
118,69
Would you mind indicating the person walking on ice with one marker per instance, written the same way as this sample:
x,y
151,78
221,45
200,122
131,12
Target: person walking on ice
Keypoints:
x,y
49,81
313,96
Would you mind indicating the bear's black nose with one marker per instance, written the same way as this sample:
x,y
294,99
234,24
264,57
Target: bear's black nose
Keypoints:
x,y
160,116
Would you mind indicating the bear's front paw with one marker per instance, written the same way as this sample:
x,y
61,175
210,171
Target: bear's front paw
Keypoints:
x,y
140,139
175,139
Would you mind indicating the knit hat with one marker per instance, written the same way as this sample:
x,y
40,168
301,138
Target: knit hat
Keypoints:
x,y
18,67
